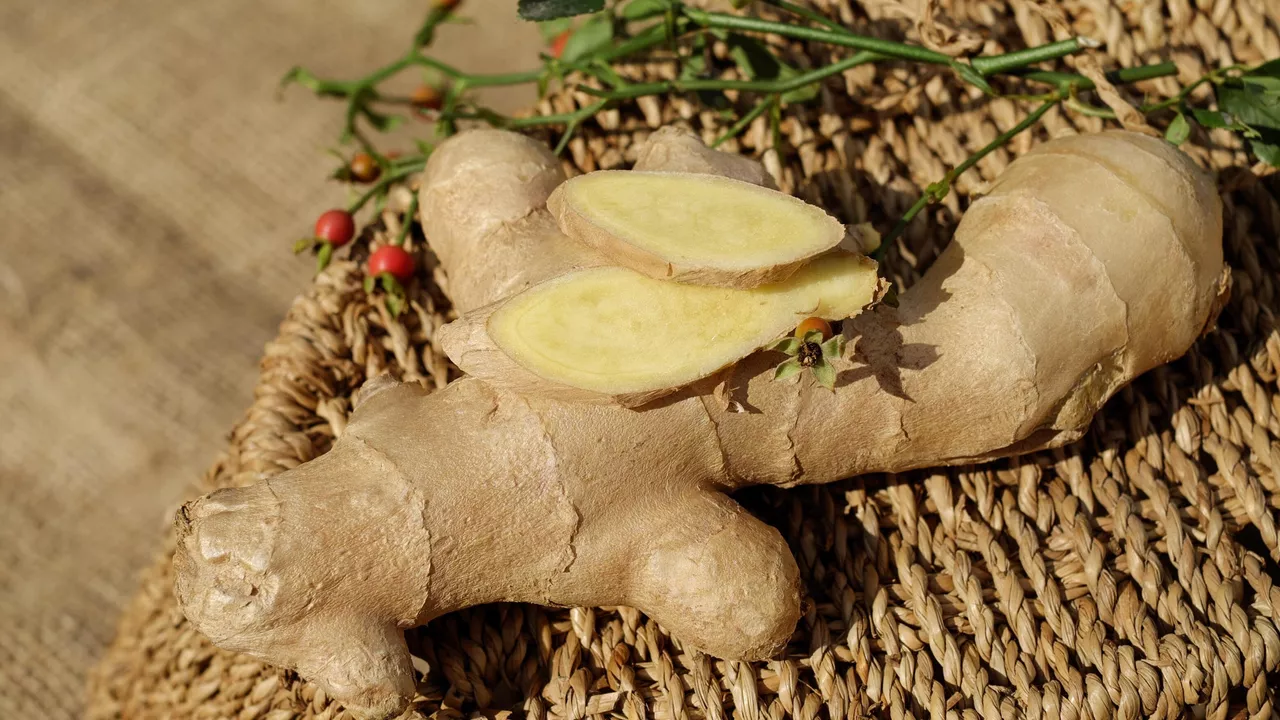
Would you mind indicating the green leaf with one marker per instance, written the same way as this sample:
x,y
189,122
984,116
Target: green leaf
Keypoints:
x,y
551,29
552,9
1268,84
383,123
801,94
643,9
608,74
391,284
1271,68
693,67
788,369
1179,130
595,34
833,347
1257,110
1250,105
789,345
1211,118
300,76
753,59
395,305
424,147
368,284
304,244
825,373
324,256
813,336
757,62
1266,152
973,77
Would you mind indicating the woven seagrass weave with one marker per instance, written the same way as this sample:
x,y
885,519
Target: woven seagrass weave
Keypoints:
x,y
1132,574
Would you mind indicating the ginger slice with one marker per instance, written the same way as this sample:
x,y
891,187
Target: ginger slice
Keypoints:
x,y
612,333
694,228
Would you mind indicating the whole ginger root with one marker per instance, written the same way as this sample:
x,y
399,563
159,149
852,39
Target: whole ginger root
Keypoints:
x,y
1093,259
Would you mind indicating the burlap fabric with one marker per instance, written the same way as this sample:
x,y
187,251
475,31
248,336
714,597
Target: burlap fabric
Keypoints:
x,y
150,187
1132,574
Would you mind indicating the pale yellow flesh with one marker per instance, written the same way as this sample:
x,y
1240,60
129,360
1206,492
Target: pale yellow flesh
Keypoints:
x,y
615,331
701,220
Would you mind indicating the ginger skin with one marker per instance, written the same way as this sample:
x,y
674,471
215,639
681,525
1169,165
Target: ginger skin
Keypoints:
x,y
1059,288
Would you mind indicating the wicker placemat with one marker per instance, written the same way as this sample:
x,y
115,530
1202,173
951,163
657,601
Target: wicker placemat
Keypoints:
x,y
1131,574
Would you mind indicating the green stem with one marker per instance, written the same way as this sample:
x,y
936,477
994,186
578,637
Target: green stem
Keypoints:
x,y
992,64
427,32
407,221
643,40
1089,110
1085,108
761,108
387,180
1122,76
763,86
478,79
808,14
573,120
939,190
887,48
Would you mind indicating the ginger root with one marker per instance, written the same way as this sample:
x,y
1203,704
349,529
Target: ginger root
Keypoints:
x,y
1094,259
693,228
611,333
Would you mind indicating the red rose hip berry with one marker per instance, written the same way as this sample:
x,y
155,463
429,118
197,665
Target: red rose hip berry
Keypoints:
x,y
391,259
336,227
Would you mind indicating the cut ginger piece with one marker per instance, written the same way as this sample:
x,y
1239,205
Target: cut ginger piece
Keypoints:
x,y
610,333
693,228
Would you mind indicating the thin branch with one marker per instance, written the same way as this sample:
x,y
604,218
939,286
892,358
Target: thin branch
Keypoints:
x,y
386,181
939,190
761,108
887,48
992,64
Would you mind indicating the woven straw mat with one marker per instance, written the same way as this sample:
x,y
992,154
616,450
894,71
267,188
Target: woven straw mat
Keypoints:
x,y
1130,575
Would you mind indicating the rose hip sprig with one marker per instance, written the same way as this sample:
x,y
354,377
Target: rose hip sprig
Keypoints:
x,y
391,266
334,228
812,346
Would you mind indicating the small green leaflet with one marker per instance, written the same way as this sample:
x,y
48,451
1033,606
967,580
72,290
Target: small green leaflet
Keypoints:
x,y
825,373
643,9
594,34
1179,130
383,123
790,368
552,9
789,345
1252,103
551,29
757,62
973,77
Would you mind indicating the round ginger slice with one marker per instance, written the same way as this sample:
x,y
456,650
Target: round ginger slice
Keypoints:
x,y
693,228
610,333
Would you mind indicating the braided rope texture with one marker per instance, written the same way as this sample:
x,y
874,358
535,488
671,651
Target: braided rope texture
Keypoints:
x,y
1130,575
